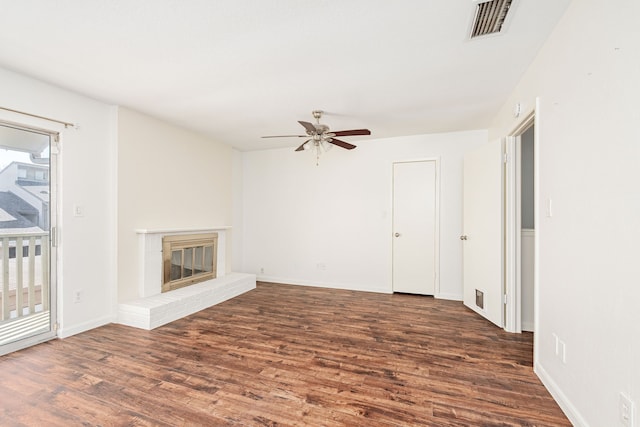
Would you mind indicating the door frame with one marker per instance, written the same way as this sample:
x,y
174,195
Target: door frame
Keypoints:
x,y
513,250
19,121
436,260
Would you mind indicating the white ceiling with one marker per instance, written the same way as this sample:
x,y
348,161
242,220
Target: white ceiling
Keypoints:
x,y
239,69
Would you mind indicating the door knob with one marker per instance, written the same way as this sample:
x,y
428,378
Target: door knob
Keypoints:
x,y
463,237
397,234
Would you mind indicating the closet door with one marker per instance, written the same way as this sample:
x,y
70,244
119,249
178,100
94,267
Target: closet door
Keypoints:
x,y
415,226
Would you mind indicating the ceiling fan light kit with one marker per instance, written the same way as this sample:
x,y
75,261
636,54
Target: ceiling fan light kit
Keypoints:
x,y
321,139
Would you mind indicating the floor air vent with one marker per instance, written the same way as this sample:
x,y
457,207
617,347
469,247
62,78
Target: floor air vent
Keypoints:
x,y
490,16
480,299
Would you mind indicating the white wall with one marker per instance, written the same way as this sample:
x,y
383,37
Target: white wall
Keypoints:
x,y
237,233
586,76
298,215
86,175
168,177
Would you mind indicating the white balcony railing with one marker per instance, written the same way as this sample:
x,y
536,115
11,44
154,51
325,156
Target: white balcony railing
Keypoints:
x,y
24,277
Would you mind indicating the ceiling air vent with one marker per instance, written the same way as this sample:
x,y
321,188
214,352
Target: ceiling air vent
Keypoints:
x,y
490,16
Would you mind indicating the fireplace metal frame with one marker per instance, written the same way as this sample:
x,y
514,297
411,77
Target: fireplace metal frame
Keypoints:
x,y
181,242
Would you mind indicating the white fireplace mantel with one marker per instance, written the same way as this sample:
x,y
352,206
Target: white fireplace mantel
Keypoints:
x,y
150,255
181,230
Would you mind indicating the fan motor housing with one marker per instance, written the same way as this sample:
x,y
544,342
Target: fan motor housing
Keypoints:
x,y
320,128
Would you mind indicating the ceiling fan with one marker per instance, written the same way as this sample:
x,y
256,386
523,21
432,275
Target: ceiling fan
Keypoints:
x,y
320,137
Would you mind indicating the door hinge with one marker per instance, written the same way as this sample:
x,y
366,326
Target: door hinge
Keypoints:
x,y
56,326
54,237
505,157
506,299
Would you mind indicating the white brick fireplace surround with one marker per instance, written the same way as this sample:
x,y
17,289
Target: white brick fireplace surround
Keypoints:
x,y
155,308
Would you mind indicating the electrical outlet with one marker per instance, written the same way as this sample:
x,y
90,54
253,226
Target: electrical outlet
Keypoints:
x,y
560,348
626,410
261,270
77,296
563,351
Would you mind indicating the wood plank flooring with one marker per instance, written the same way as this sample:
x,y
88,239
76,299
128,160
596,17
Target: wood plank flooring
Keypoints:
x,y
285,355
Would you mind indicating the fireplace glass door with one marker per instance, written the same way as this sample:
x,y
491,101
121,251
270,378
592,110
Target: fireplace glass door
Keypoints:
x,y
188,259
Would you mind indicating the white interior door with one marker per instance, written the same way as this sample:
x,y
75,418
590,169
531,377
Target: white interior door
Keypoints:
x,y
415,225
483,232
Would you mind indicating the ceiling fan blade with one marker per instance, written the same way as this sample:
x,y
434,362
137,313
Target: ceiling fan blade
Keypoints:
x,y
341,143
285,136
308,126
352,132
300,148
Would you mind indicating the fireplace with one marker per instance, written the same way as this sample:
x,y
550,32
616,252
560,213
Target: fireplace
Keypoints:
x,y
151,261
188,259
155,307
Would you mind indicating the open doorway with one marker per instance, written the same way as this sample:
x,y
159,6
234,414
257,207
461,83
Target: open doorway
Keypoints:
x,y
520,238
527,228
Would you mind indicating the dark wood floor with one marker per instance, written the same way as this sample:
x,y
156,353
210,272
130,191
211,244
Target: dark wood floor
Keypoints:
x,y
282,356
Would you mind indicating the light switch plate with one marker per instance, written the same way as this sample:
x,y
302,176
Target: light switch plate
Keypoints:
x,y
78,210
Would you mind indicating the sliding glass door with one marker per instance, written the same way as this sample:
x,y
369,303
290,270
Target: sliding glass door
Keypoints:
x,y
27,255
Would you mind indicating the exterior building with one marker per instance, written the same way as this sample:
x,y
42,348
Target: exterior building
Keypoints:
x,y
24,197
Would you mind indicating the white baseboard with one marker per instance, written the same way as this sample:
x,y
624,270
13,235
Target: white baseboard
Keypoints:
x,y
528,326
565,404
65,332
345,286
450,297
